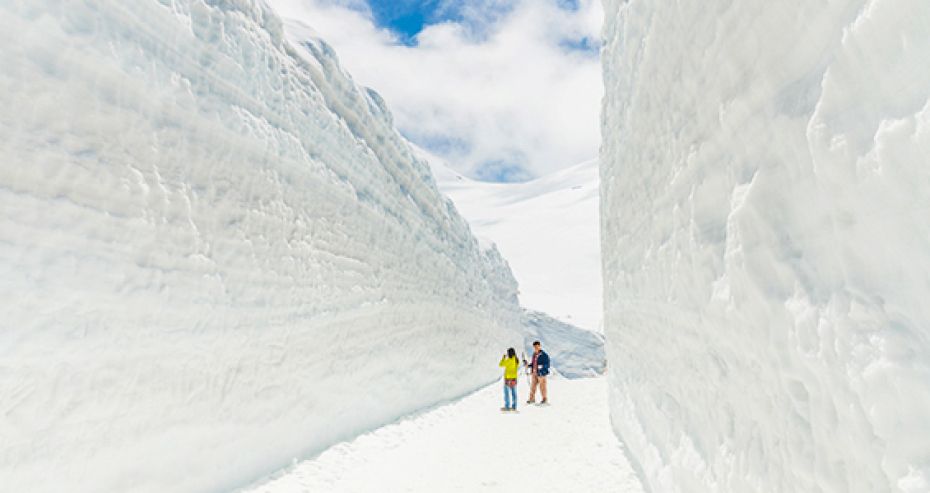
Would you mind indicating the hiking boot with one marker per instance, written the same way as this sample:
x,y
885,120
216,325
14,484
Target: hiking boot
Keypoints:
x,y
531,401
505,409
544,401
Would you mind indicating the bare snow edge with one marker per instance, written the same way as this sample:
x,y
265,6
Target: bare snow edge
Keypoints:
x,y
216,253
765,242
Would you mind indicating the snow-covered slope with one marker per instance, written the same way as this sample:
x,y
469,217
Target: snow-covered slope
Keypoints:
x,y
547,229
766,242
216,254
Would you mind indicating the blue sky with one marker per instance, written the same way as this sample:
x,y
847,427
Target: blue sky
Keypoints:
x,y
502,90
406,18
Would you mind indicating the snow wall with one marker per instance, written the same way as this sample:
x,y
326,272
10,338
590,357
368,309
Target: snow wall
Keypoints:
x,y
216,254
766,242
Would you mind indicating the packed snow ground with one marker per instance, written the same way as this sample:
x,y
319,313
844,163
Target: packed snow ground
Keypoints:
x,y
471,446
548,231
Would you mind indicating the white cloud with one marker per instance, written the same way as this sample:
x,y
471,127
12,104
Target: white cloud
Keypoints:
x,y
475,92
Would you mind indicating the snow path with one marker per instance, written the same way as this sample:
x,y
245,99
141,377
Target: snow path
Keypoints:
x,y
469,445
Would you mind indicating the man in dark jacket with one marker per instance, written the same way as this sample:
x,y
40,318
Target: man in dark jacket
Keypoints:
x,y
539,369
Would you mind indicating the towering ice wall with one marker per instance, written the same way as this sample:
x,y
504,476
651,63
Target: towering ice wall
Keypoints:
x,y
766,242
216,254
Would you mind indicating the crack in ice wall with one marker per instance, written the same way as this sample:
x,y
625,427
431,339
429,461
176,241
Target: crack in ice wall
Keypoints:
x,y
766,242
216,254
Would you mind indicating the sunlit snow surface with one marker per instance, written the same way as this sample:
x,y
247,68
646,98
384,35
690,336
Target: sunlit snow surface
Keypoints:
x,y
215,252
766,238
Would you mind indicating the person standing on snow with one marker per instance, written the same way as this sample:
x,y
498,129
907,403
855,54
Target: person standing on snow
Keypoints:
x,y
540,369
511,366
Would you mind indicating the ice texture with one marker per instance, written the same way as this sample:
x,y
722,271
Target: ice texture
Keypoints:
x,y
765,192
216,253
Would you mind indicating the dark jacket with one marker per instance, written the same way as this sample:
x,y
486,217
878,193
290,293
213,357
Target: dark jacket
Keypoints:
x,y
542,363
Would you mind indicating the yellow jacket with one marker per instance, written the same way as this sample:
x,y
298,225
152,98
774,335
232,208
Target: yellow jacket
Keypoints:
x,y
511,367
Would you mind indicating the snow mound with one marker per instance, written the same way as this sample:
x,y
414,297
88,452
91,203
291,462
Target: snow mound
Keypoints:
x,y
766,242
574,352
216,253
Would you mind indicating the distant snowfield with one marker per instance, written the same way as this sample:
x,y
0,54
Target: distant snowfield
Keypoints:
x,y
547,230
469,445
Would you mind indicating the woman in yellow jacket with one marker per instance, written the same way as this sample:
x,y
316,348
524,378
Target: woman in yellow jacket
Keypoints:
x,y
511,366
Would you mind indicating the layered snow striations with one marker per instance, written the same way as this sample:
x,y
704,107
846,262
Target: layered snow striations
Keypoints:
x,y
766,240
216,254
